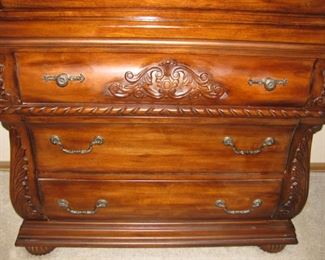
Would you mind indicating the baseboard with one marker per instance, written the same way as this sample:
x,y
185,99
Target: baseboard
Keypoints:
x,y
314,167
317,167
4,166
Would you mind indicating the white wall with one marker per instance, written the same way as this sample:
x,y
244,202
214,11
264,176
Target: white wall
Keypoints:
x,y
317,155
4,144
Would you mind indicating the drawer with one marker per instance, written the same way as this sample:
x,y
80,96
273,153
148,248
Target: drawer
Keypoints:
x,y
136,200
163,79
160,148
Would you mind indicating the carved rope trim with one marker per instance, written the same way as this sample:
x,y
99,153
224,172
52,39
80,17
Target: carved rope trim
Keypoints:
x,y
166,80
20,192
154,110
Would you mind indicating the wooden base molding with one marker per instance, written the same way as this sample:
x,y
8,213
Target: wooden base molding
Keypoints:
x,y
47,235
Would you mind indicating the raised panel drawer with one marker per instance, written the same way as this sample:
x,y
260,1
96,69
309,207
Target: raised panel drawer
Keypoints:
x,y
149,200
163,79
160,148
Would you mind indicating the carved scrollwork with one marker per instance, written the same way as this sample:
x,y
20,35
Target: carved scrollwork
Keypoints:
x,y
20,192
3,94
166,80
297,176
319,101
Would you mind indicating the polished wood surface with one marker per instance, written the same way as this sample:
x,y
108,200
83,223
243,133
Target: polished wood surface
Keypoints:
x,y
140,148
159,200
309,6
162,83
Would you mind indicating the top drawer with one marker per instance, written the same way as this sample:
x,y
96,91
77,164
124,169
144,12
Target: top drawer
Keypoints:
x,y
163,79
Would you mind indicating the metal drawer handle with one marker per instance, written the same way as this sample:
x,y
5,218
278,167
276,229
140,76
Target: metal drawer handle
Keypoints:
x,y
63,79
228,141
98,140
269,83
222,204
101,203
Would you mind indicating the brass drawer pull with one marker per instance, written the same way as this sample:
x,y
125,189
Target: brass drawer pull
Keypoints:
x,y
63,79
101,203
228,141
269,83
98,140
222,204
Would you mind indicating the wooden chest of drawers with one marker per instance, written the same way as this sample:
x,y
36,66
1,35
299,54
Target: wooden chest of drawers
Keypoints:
x,y
160,123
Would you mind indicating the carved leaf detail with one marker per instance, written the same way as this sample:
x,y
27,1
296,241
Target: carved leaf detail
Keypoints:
x,y
297,177
3,94
166,80
319,101
20,194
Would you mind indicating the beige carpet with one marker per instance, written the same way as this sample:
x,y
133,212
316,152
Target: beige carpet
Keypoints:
x,y
310,226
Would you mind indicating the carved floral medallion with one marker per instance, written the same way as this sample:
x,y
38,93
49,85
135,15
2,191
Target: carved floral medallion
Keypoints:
x,y
166,80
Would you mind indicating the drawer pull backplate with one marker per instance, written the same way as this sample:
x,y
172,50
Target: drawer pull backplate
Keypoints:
x,y
222,204
63,79
269,83
101,203
228,141
98,140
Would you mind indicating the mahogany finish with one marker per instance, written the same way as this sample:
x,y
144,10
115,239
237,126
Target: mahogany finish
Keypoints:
x,y
159,200
140,148
160,123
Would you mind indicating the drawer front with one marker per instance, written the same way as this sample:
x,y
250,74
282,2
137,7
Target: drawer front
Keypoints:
x,y
163,79
122,200
160,148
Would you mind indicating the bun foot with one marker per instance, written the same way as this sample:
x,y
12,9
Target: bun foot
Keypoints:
x,y
39,250
272,248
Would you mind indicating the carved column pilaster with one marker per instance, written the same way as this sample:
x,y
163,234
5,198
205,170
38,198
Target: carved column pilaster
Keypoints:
x,y
296,175
22,178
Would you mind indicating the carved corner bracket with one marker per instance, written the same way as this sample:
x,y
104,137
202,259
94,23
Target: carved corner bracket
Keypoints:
x,y
318,101
4,96
166,80
297,175
21,195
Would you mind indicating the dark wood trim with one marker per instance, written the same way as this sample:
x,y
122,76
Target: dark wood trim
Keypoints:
x,y
314,167
169,234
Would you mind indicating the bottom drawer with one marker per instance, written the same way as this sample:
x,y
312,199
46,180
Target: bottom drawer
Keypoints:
x,y
159,200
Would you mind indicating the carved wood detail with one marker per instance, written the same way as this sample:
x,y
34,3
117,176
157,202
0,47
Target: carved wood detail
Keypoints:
x,y
20,192
297,175
39,250
272,248
320,101
156,110
4,96
166,80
